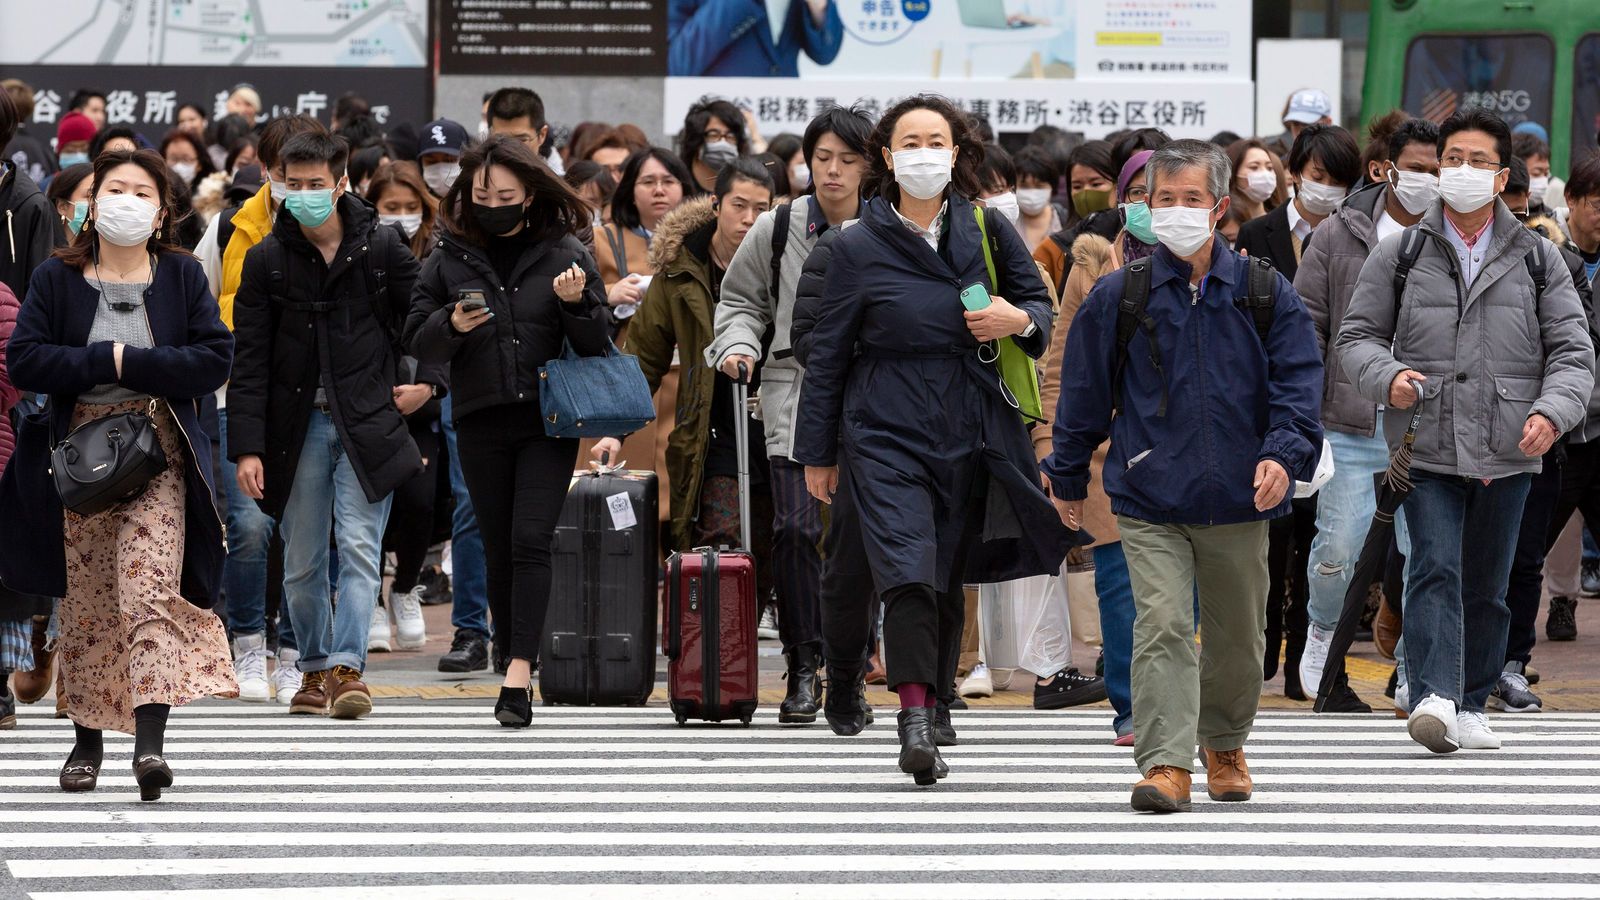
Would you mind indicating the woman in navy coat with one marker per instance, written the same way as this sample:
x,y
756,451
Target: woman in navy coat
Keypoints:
x,y
898,393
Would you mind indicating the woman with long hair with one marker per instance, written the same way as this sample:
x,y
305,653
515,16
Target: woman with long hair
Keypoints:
x,y
507,288
122,322
404,201
905,408
1258,181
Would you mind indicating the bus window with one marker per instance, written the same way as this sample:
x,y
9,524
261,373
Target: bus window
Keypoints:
x,y
1585,97
1510,74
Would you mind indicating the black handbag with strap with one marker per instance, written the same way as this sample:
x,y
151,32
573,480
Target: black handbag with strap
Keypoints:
x,y
107,461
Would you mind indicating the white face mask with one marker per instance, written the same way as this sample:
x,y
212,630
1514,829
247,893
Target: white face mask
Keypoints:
x,y
1004,204
1416,191
1032,201
1537,186
923,173
799,178
1260,184
440,176
1466,189
408,222
185,170
1319,199
280,189
125,220
1182,229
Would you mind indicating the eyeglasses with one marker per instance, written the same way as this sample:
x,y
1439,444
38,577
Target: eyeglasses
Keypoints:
x,y
665,182
713,135
1455,161
1138,194
1591,204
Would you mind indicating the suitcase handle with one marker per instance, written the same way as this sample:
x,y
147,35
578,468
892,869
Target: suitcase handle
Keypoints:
x,y
670,637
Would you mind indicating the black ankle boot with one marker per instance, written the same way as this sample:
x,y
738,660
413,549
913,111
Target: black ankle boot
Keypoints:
x,y
805,685
515,708
918,754
844,705
944,732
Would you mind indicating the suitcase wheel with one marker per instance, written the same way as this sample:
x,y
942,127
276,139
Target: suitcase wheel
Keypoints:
x,y
745,720
682,719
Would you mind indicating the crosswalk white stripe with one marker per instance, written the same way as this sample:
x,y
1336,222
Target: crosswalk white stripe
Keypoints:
x,y
756,735
346,864
1098,712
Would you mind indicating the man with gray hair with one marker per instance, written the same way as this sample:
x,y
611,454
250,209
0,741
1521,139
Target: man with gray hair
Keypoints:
x,y
1202,367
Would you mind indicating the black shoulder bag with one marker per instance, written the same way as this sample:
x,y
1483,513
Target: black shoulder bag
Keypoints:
x,y
107,461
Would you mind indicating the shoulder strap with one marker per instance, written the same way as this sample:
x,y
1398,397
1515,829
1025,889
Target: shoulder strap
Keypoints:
x,y
225,227
1535,263
1258,296
1411,243
1132,316
619,248
990,247
780,240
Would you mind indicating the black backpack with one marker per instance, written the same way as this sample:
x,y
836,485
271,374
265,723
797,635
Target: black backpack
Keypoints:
x,y
1412,241
377,284
1132,316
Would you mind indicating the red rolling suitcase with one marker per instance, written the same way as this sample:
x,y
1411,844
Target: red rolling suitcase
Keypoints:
x,y
710,633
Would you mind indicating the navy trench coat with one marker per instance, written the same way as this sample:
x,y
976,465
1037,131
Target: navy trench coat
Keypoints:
x,y
896,395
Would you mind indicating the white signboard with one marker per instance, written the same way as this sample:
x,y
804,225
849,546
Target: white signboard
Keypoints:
x,y
1164,39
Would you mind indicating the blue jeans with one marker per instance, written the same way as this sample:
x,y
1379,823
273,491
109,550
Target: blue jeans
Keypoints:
x,y
1456,617
1115,590
244,574
469,579
1344,515
327,496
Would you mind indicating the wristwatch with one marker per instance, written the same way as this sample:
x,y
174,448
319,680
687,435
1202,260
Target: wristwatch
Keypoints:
x,y
433,391
1031,330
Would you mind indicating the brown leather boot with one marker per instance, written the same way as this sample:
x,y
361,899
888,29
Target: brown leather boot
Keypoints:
x,y
312,698
350,697
1227,776
1385,629
1164,789
32,685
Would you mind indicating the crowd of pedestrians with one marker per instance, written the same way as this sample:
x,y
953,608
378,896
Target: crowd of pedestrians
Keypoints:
x,y
1178,365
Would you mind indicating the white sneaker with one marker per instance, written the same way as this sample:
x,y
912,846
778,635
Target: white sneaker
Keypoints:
x,y
1434,725
411,630
977,683
250,667
286,677
1314,659
1474,731
1001,678
1402,699
378,631
767,628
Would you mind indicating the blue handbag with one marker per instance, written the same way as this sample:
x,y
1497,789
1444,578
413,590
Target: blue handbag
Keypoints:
x,y
594,396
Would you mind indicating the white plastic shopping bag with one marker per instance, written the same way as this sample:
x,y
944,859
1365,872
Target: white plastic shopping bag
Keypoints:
x,y
1024,624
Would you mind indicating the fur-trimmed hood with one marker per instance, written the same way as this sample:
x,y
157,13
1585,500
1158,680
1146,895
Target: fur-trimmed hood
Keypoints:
x,y
1094,252
676,227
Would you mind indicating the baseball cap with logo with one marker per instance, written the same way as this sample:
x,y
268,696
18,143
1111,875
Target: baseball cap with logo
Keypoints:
x,y
1308,107
441,136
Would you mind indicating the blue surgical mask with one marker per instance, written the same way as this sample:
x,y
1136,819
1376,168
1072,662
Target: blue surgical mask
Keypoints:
x,y
310,208
80,211
68,160
1136,218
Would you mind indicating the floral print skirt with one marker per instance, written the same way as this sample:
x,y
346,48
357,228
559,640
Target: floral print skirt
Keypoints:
x,y
127,636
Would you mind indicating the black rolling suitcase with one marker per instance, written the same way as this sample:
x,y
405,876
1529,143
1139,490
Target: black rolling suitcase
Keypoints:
x,y
600,630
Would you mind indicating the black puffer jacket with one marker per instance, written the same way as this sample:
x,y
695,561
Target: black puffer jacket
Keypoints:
x,y
31,229
498,362
295,317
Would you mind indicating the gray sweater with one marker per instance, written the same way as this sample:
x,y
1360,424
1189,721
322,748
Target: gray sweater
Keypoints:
x,y
129,327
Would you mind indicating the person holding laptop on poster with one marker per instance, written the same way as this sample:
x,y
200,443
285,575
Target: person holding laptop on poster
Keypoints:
x,y
732,38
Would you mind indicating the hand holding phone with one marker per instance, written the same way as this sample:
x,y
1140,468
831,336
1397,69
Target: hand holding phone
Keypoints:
x,y
472,310
975,297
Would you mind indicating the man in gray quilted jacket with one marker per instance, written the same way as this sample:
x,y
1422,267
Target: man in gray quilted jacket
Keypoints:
x,y
1488,333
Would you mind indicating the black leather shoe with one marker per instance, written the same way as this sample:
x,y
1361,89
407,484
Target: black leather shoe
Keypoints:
x,y
515,709
940,767
469,652
1344,700
844,704
80,775
944,733
918,753
152,774
8,707
805,686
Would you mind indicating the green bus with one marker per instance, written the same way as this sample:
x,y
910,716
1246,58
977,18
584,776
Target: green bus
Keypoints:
x,y
1527,60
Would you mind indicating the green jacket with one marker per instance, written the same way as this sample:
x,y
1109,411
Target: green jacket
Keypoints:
x,y
675,319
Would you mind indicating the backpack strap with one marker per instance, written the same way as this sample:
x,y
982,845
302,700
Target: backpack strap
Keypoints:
x,y
1535,263
619,248
780,240
225,227
1257,300
1132,315
1411,243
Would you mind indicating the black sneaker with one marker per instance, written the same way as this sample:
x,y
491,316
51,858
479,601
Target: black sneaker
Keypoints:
x,y
1591,579
1511,692
469,652
1067,689
1344,700
435,587
1562,625
8,706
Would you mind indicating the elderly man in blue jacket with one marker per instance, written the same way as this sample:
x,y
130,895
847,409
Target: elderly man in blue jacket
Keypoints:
x,y
745,38
1202,367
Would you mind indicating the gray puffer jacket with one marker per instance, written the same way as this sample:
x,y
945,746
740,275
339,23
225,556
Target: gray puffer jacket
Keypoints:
x,y
1326,281
1492,354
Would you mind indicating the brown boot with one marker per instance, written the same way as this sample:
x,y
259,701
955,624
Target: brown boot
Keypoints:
x,y
1385,629
1164,789
312,698
32,685
1227,776
350,698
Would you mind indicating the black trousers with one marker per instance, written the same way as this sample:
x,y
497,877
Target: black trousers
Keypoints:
x,y
517,479
796,555
1570,482
849,606
922,624
1288,584
410,529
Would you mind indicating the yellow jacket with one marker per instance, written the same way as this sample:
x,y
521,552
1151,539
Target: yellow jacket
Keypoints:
x,y
251,223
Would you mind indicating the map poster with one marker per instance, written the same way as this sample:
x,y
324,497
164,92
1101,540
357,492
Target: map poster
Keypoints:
x,y
147,97
552,37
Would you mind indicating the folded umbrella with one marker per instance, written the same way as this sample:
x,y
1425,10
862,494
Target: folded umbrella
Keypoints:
x,y
1394,487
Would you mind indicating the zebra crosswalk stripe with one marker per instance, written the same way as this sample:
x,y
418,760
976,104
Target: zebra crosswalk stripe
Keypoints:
x,y
434,800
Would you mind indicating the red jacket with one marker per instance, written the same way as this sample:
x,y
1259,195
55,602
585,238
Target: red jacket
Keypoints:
x,y
8,393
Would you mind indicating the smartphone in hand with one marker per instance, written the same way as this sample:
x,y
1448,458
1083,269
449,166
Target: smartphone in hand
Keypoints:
x,y
975,297
471,299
